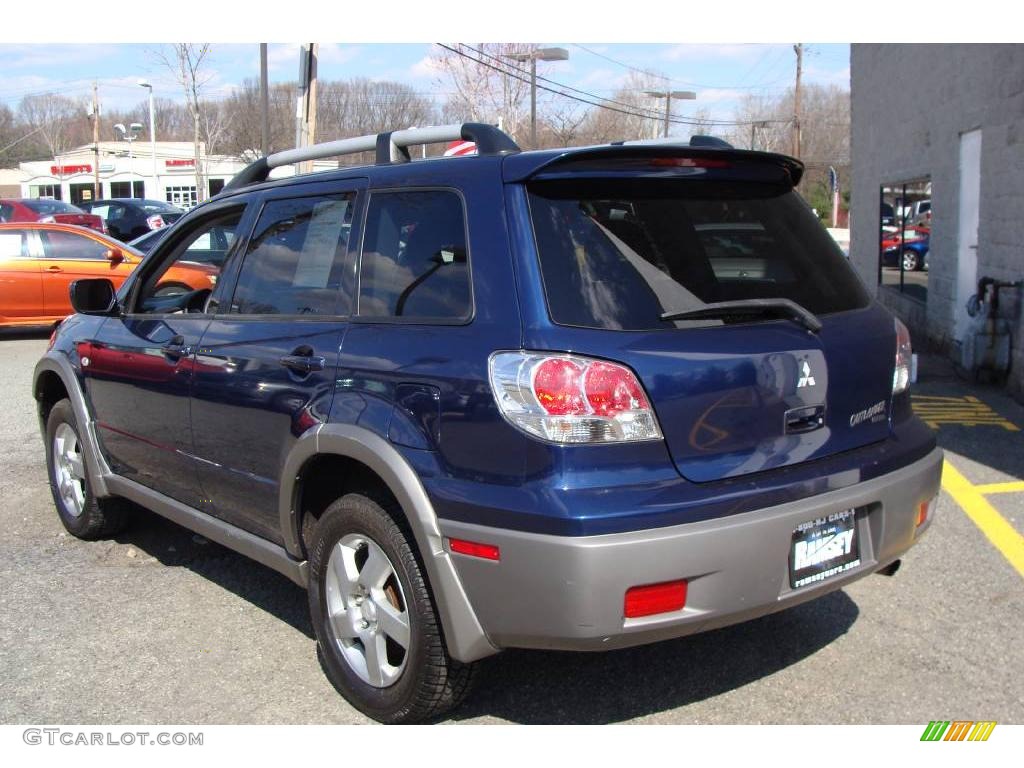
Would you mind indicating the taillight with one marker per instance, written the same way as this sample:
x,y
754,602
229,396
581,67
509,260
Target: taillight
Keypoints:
x,y
904,360
652,599
156,221
571,399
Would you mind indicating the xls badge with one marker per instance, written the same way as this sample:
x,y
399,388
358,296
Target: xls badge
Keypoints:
x,y
805,380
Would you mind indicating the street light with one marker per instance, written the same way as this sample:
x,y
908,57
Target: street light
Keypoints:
x,y
539,54
668,96
152,133
130,134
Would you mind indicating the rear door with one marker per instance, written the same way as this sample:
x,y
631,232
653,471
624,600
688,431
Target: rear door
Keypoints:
x,y
265,368
736,394
21,280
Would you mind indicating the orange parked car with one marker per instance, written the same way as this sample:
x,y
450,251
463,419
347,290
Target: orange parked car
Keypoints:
x,y
38,263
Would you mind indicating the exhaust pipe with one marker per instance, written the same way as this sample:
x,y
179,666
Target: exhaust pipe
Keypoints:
x,y
890,569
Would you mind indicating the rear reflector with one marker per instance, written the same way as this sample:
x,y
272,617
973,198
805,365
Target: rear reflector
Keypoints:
x,y
655,598
925,510
474,549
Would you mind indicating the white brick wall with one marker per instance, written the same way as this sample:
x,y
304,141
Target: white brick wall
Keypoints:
x,y
910,103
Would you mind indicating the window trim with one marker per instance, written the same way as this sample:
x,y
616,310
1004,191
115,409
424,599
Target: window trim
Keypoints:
x,y
356,186
424,321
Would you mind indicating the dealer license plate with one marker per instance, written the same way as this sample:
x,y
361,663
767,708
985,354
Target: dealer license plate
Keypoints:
x,y
824,548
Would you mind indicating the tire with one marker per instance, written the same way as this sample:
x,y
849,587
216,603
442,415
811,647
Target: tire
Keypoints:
x,y
80,511
364,572
171,289
911,261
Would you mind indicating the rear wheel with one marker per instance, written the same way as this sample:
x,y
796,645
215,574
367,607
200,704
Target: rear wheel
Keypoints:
x,y
910,261
377,631
81,513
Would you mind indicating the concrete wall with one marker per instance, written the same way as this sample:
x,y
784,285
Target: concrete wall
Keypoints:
x,y
910,103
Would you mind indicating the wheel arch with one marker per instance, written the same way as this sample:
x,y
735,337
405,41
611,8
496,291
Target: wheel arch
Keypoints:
x,y
53,375
375,459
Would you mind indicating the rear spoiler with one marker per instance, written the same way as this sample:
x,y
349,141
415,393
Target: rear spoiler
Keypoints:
x,y
519,168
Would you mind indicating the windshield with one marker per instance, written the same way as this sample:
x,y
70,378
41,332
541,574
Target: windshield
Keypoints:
x,y
618,254
50,207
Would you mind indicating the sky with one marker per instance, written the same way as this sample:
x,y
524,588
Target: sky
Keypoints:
x,y
719,73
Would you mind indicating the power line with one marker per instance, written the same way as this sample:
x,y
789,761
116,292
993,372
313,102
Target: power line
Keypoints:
x,y
601,102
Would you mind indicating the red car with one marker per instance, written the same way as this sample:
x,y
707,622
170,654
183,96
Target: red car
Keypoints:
x,y
49,212
913,234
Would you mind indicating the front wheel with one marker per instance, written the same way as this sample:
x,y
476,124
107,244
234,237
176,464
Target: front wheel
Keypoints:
x,y
80,511
910,261
378,636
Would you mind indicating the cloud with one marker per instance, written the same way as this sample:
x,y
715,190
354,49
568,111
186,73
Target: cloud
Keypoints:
x,y
707,51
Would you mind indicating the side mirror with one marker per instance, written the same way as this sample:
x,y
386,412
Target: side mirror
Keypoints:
x,y
114,255
93,296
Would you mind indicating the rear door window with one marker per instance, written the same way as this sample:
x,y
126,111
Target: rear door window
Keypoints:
x,y
414,263
617,254
296,259
65,245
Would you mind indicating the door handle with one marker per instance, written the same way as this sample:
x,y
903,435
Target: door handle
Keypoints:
x,y
176,347
303,363
54,268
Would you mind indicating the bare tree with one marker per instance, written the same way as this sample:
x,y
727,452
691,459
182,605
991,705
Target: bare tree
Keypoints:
x,y
61,121
629,113
186,62
490,87
560,122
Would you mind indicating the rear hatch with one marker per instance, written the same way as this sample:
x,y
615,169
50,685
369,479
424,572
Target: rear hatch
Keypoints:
x,y
627,241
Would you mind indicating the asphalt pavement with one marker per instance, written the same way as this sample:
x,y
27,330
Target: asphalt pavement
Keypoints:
x,y
161,626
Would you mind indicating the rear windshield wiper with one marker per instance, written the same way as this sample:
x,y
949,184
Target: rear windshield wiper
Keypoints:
x,y
768,307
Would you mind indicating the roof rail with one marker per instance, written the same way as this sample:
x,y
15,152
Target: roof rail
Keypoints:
x,y
391,147
695,141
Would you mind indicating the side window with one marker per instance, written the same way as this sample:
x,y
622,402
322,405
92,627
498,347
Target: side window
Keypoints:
x,y
193,268
13,245
414,262
6,211
296,258
65,245
103,211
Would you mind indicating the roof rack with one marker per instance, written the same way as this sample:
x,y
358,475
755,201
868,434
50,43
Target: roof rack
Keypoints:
x,y
695,141
391,147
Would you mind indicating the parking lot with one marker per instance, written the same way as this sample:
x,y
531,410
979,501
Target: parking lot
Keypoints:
x,y
161,626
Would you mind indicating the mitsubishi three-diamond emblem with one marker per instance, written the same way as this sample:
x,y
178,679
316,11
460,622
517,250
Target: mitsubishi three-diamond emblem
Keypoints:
x,y
805,380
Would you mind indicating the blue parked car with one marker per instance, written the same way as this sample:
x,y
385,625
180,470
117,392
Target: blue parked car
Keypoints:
x,y
575,399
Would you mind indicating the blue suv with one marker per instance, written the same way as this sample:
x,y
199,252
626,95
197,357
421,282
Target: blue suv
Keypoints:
x,y
572,399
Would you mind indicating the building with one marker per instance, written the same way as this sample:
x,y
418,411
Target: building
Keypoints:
x,y
937,142
128,171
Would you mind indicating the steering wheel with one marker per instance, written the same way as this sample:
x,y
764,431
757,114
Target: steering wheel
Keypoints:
x,y
197,301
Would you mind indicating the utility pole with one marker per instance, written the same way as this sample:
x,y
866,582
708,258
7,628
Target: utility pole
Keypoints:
x,y
96,142
799,49
305,114
264,103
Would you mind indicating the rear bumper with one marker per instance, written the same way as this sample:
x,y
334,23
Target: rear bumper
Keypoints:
x,y
567,592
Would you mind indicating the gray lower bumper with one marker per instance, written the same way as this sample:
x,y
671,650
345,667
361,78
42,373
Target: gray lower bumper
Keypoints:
x,y
567,592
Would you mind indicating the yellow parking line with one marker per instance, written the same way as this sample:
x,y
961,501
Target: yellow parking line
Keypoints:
x,y
1000,488
1002,535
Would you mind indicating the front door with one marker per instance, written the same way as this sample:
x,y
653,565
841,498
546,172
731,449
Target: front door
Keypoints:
x,y
140,364
70,256
264,372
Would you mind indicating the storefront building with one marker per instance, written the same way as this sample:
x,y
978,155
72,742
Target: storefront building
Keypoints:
x,y
129,173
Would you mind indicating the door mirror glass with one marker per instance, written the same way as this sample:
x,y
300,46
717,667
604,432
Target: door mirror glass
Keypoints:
x,y
94,296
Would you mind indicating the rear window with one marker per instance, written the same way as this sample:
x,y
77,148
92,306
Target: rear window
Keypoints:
x,y
49,207
618,254
157,206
